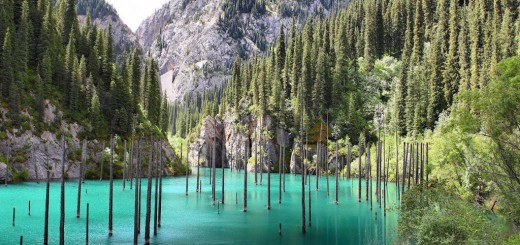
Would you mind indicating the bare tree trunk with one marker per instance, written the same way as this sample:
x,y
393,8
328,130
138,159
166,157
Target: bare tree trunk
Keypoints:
x,y
349,161
223,169
397,167
87,223
213,171
337,184
46,220
62,199
160,185
310,202
136,197
280,175
360,153
405,156
102,160
111,195
78,208
245,181
198,171
187,168
131,170
268,185
256,158
124,167
149,196
156,162
367,171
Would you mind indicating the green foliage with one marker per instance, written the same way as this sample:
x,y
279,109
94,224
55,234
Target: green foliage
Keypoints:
x,y
436,217
20,176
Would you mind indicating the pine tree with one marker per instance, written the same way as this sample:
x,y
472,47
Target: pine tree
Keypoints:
x,y
165,115
318,92
95,115
70,58
450,74
507,32
67,19
135,67
236,81
307,69
154,94
7,69
24,32
463,51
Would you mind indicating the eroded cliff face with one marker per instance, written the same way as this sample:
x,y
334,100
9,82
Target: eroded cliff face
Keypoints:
x,y
35,152
240,137
195,54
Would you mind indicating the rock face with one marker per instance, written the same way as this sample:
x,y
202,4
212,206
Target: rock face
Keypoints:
x,y
103,14
195,52
240,136
30,152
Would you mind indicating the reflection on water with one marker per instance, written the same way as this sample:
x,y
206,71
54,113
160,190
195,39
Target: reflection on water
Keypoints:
x,y
193,219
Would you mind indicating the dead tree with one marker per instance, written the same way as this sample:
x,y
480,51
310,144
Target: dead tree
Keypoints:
x,y
148,196
62,197
111,195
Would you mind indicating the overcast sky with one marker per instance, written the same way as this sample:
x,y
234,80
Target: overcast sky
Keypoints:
x,y
133,12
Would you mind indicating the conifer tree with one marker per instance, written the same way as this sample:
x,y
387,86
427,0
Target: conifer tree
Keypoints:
x,y
7,70
135,67
450,74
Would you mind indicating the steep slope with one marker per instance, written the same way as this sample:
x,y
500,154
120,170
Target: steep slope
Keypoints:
x,y
195,41
103,14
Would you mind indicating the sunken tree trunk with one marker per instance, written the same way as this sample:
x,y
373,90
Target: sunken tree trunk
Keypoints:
x,y
62,197
111,192
148,197
46,220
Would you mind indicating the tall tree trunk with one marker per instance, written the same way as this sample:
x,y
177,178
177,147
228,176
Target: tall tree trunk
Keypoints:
x,y
223,169
280,175
359,172
149,196
256,158
131,163
405,156
156,163
198,171
87,223
136,197
397,167
213,171
111,195
337,184
62,197
349,161
187,168
102,160
46,220
160,185
269,185
83,156
245,180
124,167
310,202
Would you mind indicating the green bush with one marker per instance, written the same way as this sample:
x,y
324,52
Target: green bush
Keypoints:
x,y
436,217
21,176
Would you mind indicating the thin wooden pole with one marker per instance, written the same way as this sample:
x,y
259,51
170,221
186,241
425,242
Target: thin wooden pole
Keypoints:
x,y
223,169
111,194
149,196
160,185
46,220
87,223
360,153
131,163
102,160
198,171
310,202
156,196
337,181
280,175
268,185
256,158
78,208
405,148
187,168
62,197
29,207
14,216
245,180
124,167
136,197
213,171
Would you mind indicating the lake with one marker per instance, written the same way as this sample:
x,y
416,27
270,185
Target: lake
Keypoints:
x,y
193,219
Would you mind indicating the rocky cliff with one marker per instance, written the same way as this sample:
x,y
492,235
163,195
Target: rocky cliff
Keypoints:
x,y
27,153
195,41
239,137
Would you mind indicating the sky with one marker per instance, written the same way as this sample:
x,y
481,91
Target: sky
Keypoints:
x,y
133,12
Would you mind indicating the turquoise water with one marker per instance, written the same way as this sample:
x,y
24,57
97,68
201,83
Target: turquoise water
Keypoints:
x,y
193,219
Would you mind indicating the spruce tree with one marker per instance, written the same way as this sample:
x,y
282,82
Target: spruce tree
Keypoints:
x,y
7,69
24,32
135,67
450,74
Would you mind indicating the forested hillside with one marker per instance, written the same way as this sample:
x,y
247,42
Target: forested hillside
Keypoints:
x,y
48,58
404,71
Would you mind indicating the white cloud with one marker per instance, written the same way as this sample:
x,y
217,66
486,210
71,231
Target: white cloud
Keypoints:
x,y
133,12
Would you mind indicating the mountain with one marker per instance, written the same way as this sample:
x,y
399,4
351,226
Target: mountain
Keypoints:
x,y
195,41
103,14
